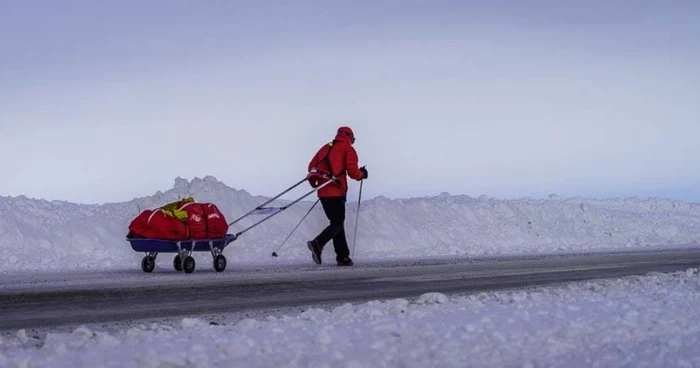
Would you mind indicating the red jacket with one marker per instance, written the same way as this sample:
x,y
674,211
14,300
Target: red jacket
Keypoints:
x,y
343,162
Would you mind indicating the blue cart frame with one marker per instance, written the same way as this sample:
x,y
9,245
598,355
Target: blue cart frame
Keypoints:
x,y
183,261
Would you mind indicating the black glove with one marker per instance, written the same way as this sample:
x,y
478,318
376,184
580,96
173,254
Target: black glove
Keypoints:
x,y
364,172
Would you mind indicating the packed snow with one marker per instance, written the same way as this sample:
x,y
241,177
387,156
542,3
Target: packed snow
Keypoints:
x,y
40,235
636,321
633,321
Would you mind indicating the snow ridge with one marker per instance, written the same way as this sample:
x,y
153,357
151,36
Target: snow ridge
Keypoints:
x,y
40,235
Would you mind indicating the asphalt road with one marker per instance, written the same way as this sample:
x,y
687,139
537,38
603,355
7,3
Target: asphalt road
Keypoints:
x,y
33,301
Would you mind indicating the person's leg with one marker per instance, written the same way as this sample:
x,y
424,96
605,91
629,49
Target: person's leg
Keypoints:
x,y
335,212
331,209
342,252
340,243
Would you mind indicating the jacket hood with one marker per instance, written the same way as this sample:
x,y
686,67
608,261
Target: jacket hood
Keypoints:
x,y
345,134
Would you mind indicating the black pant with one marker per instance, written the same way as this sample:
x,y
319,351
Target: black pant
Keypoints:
x,y
334,207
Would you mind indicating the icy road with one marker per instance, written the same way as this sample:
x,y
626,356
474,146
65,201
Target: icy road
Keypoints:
x,y
28,301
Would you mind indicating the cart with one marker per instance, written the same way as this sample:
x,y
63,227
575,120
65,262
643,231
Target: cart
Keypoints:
x,y
184,261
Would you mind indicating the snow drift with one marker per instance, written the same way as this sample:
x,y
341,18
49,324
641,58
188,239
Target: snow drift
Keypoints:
x,y
38,235
632,321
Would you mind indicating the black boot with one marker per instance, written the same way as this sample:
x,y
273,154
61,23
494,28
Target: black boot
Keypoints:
x,y
345,262
315,251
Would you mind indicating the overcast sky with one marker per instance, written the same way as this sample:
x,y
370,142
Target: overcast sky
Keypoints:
x,y
104,101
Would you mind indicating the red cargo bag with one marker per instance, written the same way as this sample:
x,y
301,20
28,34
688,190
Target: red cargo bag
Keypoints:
x,y
196,220
205,221
217,227
156,224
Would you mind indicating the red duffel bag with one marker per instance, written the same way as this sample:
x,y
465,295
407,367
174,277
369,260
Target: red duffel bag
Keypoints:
x,y
217,227
196,220
205,221
155,224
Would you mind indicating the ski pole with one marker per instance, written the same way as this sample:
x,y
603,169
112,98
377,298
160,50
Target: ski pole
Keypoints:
x,y
357,218
283,208
274,254
268,202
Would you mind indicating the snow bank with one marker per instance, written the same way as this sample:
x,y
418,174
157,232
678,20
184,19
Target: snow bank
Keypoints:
x,y
633,321
40,235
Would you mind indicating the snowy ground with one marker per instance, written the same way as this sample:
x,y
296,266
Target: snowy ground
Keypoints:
x,y
648,321
41,236
638,321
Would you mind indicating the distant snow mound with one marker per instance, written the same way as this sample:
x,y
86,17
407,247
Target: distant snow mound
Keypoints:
x,y
38,235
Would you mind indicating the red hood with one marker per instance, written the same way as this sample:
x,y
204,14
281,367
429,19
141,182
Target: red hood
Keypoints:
x,y
345,134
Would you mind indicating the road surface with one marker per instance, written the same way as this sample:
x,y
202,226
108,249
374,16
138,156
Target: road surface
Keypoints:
x,y
33,301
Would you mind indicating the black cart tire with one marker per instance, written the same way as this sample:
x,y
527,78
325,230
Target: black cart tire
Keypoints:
x,y
177,263
148,263
219,263
188,264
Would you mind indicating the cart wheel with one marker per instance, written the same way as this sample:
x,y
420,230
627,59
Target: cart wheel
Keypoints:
x,y
148,263
188,265
219,263
177,263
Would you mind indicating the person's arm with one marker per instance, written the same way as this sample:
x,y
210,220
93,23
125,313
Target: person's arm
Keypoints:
x,y
351,162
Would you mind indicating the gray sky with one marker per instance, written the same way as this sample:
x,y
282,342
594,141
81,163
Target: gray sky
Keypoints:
x,y
109,100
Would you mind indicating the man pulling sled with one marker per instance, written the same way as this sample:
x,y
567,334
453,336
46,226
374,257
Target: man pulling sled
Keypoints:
x,y
184,227
337,159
